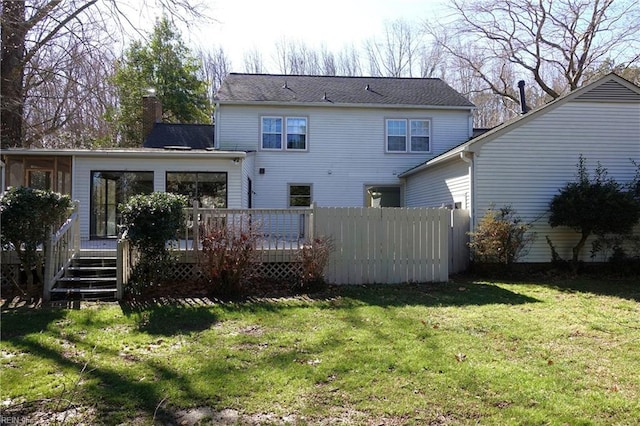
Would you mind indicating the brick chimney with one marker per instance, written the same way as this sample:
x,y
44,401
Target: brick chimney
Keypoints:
x,y
151,113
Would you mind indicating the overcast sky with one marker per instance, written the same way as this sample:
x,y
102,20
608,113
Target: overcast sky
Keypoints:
x,y
243,25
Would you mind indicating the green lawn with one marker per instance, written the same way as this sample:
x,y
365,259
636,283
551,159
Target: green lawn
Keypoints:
x,y
466,352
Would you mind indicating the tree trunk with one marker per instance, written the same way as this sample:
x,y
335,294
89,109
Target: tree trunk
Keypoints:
x,y
12,35
578,249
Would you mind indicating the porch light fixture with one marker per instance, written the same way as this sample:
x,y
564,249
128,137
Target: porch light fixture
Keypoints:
x,y
236,160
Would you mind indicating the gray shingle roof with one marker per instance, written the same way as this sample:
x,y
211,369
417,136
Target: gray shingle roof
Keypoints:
x,y
271,88
194,136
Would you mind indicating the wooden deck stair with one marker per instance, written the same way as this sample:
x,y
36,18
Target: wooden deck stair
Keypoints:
x,y
88,277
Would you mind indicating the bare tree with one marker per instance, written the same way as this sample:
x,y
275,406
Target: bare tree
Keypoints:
x,y
216,65
34,31
253,62
555,43
298,58
395,55
69,95
348,62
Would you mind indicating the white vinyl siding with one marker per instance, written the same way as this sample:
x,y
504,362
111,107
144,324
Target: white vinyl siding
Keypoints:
x,y
443,186
527,166
345,150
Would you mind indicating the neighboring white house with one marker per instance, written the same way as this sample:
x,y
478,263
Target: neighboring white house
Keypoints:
x,y
335,141
524,162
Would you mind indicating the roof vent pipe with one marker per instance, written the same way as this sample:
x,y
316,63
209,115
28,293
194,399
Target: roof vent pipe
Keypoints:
x,y
523,101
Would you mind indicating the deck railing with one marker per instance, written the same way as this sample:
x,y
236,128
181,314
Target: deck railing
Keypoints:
x,y
277,232
60,249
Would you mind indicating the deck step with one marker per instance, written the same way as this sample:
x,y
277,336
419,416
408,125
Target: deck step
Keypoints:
x,y
91,268
86,279
83,290
92,276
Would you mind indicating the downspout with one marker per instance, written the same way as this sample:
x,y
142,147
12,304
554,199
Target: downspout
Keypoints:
x,y
216,131
472,184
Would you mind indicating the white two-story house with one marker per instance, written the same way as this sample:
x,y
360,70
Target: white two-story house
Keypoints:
x,y
335,141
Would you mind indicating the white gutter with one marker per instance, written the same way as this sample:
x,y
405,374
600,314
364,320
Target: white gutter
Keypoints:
x,y
128,153
216,127
472,185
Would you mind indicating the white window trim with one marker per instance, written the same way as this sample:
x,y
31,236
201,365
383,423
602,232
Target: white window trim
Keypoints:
x,y
282,132
283,135
306,133
407,149
289,185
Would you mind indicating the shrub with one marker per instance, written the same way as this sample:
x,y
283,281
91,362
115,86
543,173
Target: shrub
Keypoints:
x,y
150,221
28,218
313,258
500,237
595,205
229,252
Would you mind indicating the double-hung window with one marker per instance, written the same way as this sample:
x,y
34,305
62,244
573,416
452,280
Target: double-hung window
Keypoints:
x,y
271,133
408,135
289,133
296,133
299,195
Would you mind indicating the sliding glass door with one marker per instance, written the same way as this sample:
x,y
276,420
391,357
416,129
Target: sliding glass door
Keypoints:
x,y
108,190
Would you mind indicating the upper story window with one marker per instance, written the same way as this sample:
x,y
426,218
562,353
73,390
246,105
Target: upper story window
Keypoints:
x,y
294,133
408,135
271,133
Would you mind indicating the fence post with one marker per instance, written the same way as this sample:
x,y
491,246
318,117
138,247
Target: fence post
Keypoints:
x,y
119,269
196,227
48,268
76,228
312,225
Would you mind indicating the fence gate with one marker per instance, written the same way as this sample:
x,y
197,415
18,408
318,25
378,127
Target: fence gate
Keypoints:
x,y
386,245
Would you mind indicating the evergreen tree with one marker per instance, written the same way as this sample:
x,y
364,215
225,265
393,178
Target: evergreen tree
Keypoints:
x,y
168,67
595,205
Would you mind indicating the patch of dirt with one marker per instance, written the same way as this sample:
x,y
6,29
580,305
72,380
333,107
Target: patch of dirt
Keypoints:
x,y
48,412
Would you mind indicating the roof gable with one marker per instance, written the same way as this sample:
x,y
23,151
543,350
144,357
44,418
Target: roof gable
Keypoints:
x,y
194,136
610,91
269,88
610,88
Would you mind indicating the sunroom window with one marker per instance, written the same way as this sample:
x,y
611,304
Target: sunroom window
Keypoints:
x,y
209,189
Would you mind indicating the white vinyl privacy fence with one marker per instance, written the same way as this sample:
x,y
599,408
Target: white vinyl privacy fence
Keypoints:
x,y
393,245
